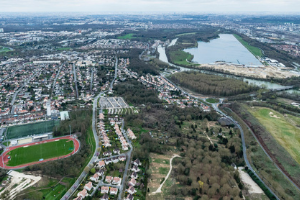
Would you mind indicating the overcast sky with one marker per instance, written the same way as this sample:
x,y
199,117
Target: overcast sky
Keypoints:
x,y
127,6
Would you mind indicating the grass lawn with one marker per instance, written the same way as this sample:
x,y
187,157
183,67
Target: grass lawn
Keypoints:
x,y
163,170
126,37
281,128
254,50
212,100
4,49
181,58
44,151
6,143
56,193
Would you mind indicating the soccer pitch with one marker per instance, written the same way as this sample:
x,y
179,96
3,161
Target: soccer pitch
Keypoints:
x,y
31,129
34,153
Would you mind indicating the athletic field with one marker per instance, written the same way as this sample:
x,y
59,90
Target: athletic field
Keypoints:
x,y
34,153
31,129
283,128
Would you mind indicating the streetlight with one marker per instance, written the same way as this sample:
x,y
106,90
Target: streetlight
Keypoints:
x,y
70,129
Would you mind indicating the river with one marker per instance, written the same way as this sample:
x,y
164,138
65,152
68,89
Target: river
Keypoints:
x,y
267,84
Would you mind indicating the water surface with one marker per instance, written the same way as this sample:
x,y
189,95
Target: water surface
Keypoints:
x,y
225,48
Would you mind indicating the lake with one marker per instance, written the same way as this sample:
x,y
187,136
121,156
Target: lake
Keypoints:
x,y
225,48
163,57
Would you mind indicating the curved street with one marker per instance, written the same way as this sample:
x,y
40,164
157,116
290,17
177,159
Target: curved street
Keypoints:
x,y
74,187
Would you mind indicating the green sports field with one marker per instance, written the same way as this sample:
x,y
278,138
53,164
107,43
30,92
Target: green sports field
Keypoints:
x,y
283,128
31,129
44,151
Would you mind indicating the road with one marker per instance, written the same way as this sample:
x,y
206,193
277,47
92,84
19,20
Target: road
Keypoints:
x,y
20,88
54,82
92,77
75,80
116,74
93,159
216,108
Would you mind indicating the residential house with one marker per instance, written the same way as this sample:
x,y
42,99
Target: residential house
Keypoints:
x,y
88,186
108,179
101,164
104,189
107,153
132,182
100,172
134,175
116,151
95,177
116,181
137,162
115,159
107,161
113,191
135,168
104,197
83,193
122,158
129,197
131,190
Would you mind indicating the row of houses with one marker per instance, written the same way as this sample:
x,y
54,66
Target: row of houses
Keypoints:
x,y
102,131
121,138
133,181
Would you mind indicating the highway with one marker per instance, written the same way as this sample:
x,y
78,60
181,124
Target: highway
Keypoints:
x,y
82,176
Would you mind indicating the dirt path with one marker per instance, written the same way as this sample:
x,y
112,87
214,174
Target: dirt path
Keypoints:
x,y
159,188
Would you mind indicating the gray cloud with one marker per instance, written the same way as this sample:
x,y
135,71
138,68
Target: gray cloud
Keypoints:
x,y
149,5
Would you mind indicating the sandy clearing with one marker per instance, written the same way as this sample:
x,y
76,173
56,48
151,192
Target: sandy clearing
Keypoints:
x,y
22,181
249,183
171,166
274,116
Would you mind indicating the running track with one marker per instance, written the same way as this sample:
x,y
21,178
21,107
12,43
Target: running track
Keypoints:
x,y
4,156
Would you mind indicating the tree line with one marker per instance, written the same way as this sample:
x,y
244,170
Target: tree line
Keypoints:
x,y
211,84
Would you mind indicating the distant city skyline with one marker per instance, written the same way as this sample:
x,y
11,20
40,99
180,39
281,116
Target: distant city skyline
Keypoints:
x,y
148,6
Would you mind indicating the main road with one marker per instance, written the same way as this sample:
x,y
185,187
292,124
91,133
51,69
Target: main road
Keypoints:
x,y
74,187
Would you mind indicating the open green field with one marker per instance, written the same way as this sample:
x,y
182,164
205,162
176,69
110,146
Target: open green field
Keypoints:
x,y
4,49
126,37
254,50
212,100
44,151
282,129
31,129
181,58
